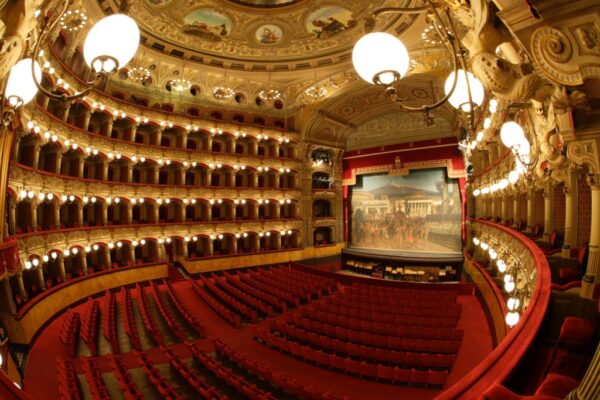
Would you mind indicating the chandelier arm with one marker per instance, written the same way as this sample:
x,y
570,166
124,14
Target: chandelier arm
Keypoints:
x,y
455,60
402,10
46,29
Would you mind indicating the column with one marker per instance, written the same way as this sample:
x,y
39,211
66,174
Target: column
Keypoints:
x,y
21,286
278,241
233,143
492,207
548,210
591,278
256,243
61,267
132,254
104,214
86,120
156,209
12,216
208,212
516,211
209,141
107,256
58,162
530,209
254,182
211,247
66,109
80,214
133,132
275,150
105,170
34,219
40,276
129,172
233,245
156,175
571,215
129,213
159,136
80,167
277,210
84,267
184,138
36,155
589,387
181,212
57,212
109,125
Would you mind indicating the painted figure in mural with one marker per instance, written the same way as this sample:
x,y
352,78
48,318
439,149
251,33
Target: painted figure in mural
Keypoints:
x,y
330,26
268,36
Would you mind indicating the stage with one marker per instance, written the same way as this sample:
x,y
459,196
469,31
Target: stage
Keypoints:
x,y
405,257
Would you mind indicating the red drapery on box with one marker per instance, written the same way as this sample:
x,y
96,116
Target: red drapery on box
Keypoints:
x,y
9,258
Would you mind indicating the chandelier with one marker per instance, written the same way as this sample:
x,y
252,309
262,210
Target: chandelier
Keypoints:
x,y
180,85
73,20
223,93
316,92
138,74
381,59
269,94
109,45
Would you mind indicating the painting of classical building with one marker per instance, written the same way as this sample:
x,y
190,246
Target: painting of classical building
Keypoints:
x,y
420,212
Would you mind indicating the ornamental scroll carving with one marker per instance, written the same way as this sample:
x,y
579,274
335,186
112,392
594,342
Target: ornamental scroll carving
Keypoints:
x,y
568,52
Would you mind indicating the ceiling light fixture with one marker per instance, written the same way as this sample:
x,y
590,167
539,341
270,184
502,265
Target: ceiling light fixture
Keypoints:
x,y
382,59
73,20
180,85
109,45
223,93
138,74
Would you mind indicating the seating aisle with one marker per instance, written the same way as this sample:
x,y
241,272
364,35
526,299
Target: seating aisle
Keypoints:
x,y
285,304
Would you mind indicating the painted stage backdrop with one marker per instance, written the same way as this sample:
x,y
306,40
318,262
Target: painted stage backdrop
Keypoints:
x,y
419,212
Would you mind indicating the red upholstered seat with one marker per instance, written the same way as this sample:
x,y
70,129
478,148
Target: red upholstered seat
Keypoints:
x,y
385,373
576,330
499,392
556,385
437,378
574,274
402,375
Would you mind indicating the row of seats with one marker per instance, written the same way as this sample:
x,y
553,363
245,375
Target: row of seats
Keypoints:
x,y
124,380
296,282
162,385
93,376
257,304
381,328
89,325
237,382
268,298
375,316
452,311
68,386
183,310
383,341
275,378
251,279
173,325
423,301
321,282
340,345
199,383
230,301
109,325
349,366
391,291
129,321
147,317
217,306
69,332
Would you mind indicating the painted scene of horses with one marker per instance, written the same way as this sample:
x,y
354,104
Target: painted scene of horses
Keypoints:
x,y
419,212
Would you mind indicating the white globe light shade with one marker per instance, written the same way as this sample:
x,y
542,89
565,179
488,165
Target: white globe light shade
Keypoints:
x,y
20,82
501,265
512,318
509,286
511,134
484,246
116,36
377,52
476,241
513,177
513,303
460,96
523,147
503,184
476,192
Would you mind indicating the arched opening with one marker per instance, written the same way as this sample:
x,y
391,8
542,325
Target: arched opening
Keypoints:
x,y
322,236
322,209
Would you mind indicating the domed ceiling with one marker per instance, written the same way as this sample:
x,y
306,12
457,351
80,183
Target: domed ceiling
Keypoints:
x,y
289,45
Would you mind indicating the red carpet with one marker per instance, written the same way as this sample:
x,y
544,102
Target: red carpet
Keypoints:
x,y
41,382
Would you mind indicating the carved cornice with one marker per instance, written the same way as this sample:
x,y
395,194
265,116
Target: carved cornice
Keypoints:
x,y
405,169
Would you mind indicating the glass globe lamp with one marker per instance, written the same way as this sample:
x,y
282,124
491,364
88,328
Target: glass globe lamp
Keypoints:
x,y
513,177
380,58
460,97
20,87
111,43
512,318
511,134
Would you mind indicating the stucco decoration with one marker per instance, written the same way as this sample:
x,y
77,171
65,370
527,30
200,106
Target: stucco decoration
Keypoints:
x,y
16,21
484,35
208,24
329,21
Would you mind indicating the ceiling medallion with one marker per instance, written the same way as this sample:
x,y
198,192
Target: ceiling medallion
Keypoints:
x,y
180,85
73,20
269,94
138,74
223,93
430,36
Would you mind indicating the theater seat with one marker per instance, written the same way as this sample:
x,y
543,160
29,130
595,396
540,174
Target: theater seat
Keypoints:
x,y
499,392
556,385
574,274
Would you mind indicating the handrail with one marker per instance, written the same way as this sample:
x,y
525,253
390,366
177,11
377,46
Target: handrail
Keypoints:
x,y
497,366
10,391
